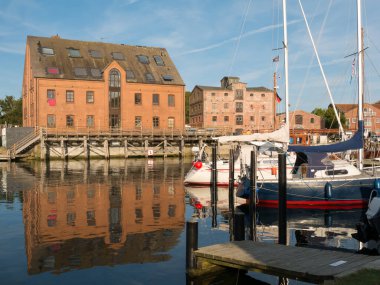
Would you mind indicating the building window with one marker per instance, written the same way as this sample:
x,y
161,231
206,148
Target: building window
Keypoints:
x,y
170,122
213,94
138,100
130,74
51,121
239,119
70,218
149,77
239,107
114,99
51,94
377,120
262,95
80,72
114,78
353,120
156,122
74,52
252,118
156,99
158,60
52,70
69,96
91,218
171,100
226,118
117,55
239,94
70,121
114,120
251,94
95,53
96,73
225,94
311,120
47,51
225,105
138,122
143,59
167,77
262,118
214,118
89,97
299,119
90,121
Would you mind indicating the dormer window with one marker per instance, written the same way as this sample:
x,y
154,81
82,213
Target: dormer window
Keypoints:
x,y
80,72
130,74
47,51
167,77
117,55
95,53
158,60
96,73
143,59
74,52
52,70
149,77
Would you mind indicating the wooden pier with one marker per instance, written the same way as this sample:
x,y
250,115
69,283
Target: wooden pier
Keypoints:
x,y
306,264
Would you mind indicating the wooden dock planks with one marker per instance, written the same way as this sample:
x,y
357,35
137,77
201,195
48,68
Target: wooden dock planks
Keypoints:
x,y
287,261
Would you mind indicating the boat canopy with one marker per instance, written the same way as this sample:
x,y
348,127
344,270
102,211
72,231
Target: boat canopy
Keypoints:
x,y
355,142
281,135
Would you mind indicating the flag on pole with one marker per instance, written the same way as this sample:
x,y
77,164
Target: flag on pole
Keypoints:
x,y
278,98
353,70
276,59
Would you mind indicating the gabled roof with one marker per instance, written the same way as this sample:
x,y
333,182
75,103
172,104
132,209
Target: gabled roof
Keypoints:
x,y
259,89
163,73
256,89
345,107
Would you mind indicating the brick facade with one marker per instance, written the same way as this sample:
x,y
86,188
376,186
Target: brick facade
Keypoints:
x,y
301,120
111,88
234,106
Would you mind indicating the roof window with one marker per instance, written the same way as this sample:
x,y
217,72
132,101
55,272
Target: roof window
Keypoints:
x,y
149,77
80,72
95,72
158,60
74,52
52,70
95,53
47,51
167,77
130,74
143,59
117,55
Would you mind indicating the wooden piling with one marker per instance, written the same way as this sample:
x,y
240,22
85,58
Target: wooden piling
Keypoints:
x,y
282,219
214,189
239,227
231,182
252,199
191,244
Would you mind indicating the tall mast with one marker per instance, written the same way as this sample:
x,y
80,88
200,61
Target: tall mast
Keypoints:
x,y
286,63
360,78
274,100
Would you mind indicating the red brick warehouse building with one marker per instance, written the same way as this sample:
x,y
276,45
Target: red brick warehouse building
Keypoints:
x,y
80,85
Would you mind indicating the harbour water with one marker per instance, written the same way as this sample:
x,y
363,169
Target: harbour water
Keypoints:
x,y
123,221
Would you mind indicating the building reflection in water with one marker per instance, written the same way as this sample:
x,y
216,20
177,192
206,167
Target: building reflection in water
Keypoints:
x,y
110,213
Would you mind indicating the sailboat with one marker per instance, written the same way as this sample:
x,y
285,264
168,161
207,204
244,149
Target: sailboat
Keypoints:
x,y
319,179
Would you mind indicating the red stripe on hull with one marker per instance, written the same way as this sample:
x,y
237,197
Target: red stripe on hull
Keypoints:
x,y
310,204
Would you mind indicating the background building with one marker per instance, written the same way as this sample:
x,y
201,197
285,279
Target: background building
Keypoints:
x,y
302,120
96,86
233,105
371,114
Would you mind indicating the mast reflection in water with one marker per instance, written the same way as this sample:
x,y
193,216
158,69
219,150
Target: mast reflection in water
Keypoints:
x,y
112,213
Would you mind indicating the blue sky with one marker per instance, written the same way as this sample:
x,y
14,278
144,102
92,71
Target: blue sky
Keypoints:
x,y
209,39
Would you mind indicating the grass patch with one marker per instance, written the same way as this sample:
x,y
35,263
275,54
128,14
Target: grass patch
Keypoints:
x,y
364,276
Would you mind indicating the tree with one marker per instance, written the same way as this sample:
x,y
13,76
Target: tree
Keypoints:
x,y
328,115
11,111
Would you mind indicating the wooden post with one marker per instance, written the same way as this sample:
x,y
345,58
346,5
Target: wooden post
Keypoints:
x,y
238,228
165,146
191,244
146,148
63,153
86,148
181,148
231,182
282,227
252,199
126,148
106,150
43,147
214,190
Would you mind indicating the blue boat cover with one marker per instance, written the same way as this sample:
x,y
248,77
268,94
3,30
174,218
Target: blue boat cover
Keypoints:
x,y
355,142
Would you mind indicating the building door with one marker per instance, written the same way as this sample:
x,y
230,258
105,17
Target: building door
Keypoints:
x,y
114,99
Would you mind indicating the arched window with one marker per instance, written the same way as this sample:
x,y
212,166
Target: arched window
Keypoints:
x,y
114,78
